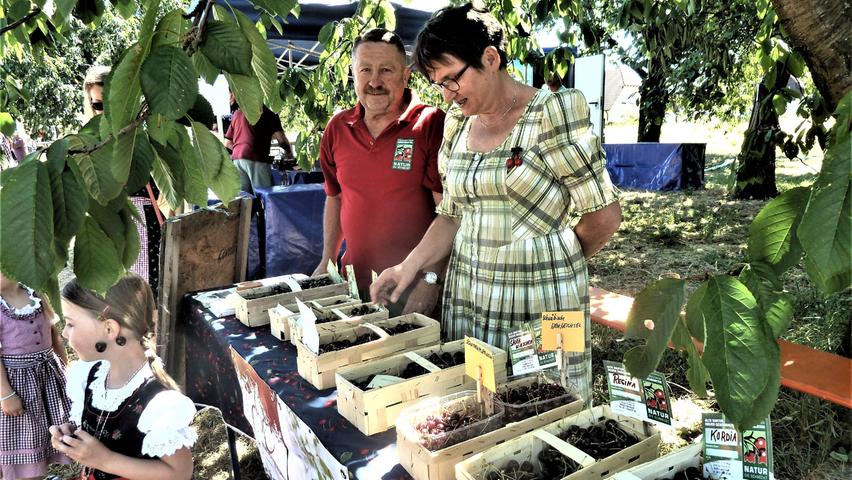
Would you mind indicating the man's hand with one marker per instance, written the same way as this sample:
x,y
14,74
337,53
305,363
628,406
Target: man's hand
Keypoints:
x,y
322,268
13,406
422,298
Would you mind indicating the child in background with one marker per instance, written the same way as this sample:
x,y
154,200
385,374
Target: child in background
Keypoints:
x,y
133,422
32,383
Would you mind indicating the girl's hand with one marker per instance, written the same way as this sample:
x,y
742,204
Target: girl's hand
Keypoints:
x,y
13,407
85,449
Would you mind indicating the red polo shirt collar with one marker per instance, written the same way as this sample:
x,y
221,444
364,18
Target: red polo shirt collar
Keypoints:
x,y
413,106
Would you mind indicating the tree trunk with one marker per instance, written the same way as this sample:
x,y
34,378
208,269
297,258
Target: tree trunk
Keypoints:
x,y
821,31
652,103
756,161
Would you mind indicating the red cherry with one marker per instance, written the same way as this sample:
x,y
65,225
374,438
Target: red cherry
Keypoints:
x,y
659,393
652,403
510,163
662,404
518,161
760,442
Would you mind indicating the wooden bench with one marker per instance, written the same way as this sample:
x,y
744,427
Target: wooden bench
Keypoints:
x,y
821,374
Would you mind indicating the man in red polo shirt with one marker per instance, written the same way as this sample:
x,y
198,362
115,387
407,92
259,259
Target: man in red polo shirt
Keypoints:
x,y
380,160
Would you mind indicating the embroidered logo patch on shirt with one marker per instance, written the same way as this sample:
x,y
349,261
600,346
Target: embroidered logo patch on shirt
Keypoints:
x,y
403,154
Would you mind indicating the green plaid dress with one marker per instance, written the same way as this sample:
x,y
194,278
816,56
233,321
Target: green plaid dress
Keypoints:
x,y
515,254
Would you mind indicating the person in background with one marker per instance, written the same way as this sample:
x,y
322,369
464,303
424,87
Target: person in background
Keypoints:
x,y
527,198
32,383
249,145
148,227
127,418
379,159
554,84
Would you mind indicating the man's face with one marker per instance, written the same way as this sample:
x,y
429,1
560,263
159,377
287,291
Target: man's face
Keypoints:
x,y
380,76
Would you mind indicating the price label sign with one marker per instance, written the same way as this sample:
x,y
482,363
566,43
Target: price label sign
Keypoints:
x,y
331,268
478,358
570,325
353,284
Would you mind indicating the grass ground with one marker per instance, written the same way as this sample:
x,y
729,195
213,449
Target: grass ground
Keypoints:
x,y
688,233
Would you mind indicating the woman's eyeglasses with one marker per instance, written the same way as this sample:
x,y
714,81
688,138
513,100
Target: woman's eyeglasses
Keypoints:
x,y
451,84
98,106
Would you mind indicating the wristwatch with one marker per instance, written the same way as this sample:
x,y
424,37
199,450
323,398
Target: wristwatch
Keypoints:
x,y
432,278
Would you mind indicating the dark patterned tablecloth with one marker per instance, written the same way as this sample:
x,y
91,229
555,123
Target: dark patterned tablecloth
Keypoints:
x,y
211,379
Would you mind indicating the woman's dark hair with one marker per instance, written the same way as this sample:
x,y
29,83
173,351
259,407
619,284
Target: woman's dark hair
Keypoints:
x,y
380,35
463,32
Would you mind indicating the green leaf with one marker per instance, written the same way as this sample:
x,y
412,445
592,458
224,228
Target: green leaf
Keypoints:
x,y
160,130
96,171
7,124
661,302
263,63
125,8
108,219
184,173
26,208
325,33
146,32
69,198
201,112
205,69
695,314
63,10
779,103
169,82
167,183
130,233
96,262
281,8
249,95
227,47
696,373
765,402
389,14
124,93
825,231
736,351
218,169
170,29
772,235
776,306
143,161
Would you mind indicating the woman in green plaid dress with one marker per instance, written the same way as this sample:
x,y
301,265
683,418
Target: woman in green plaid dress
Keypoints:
x,y
519,166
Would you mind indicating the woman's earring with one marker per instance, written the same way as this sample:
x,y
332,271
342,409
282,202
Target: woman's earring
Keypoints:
x,y
120,340
100,347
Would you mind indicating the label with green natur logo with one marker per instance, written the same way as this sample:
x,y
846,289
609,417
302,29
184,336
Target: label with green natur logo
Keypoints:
x,y
403,154
646,399
729,455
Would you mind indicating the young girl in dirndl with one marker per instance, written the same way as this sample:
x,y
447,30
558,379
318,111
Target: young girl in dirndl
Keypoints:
x,y
32,383
127,420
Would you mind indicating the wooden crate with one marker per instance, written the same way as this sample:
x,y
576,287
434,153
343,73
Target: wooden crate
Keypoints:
x,y
319,370
281,325
527,447
254,312
424,464
294,331
374,411
327,304
666,466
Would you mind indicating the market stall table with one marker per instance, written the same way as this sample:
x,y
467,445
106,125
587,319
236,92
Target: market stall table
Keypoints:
x,y
317,438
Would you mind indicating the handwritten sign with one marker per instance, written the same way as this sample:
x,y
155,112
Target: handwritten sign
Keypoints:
x,y
572,327
477,355
731,454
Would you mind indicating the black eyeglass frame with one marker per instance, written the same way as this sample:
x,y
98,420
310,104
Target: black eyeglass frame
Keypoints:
x,y
445,85
97,106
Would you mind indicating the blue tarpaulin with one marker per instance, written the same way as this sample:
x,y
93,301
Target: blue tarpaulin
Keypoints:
x,y
656,166
293,228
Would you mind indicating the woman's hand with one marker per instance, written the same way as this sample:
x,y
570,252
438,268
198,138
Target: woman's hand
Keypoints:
x,y
83,448
391,284
13,406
